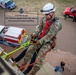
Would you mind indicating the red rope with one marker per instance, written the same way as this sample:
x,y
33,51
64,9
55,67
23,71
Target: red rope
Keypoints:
x,y
27,65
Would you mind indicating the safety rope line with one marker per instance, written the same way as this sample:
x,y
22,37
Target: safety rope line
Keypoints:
x,y
27,65
46,70
22,46
34,62
44,65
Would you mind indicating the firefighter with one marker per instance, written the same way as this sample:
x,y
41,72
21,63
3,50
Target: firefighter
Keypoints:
x,y
43,37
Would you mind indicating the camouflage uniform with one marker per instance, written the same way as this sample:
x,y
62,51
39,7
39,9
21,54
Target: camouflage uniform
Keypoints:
x,y
50,33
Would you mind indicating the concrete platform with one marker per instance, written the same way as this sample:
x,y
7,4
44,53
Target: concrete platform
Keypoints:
x,y
47,69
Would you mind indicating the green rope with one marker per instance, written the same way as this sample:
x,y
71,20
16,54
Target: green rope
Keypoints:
x,y
46,70
43,66
22,46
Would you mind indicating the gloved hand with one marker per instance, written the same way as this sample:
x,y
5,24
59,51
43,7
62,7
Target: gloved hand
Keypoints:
x,y
33,36
36,42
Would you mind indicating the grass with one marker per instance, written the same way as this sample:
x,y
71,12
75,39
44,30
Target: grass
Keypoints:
x,y
66,1
36,5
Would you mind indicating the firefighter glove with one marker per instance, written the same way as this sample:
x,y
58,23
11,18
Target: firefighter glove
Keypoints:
x,y
33,36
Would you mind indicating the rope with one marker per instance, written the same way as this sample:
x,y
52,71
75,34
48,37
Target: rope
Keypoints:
x,y
22,46
22,67
27,65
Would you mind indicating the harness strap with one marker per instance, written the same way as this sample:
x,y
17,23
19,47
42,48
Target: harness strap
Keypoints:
x,y
47,25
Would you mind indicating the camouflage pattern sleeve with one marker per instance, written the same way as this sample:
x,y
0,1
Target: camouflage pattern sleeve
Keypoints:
x,y
39,28
54,29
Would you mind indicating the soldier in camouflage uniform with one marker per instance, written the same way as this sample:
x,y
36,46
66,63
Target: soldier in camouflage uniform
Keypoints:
x,y
44,35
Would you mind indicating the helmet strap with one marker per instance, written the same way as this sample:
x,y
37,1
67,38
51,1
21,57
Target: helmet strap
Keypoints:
x,y
51,16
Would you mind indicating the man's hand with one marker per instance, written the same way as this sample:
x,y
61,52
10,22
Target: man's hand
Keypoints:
x,y
33,36
35,42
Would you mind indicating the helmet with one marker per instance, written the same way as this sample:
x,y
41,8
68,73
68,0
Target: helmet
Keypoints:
x,y
48,8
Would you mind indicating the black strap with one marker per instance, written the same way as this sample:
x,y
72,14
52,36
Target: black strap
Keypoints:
x,y
56,18
32,61
22,54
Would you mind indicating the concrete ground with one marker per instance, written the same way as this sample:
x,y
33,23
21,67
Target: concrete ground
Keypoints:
x,y
66,44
